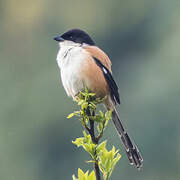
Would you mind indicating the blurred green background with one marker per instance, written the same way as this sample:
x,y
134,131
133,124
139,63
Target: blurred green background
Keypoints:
x,y
142,38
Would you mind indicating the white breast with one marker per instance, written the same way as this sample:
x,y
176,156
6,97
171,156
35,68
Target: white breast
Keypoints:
x,y
70,60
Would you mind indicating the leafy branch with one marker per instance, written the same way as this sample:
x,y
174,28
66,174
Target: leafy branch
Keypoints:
x,y
94,123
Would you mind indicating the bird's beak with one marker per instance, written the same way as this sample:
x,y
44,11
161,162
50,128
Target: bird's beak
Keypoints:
x,y
58,38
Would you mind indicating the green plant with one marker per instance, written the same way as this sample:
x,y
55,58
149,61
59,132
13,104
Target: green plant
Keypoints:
x,y
94,123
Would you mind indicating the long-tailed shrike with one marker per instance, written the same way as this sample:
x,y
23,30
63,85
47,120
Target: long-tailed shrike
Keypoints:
x,y
82,64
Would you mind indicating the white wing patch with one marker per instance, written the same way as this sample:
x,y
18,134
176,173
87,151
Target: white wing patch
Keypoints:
x,y
105,71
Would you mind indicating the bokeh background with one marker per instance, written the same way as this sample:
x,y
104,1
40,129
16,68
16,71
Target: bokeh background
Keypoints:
x,y
142,38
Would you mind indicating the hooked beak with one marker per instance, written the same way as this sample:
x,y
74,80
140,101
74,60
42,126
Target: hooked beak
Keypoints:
x,y
58,38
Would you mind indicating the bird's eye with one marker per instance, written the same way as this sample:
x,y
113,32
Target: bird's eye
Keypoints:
x,y
71,37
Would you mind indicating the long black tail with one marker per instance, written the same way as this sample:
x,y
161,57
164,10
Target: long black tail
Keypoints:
x,y
132,151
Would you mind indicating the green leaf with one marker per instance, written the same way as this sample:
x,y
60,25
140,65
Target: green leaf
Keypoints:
x,y
75,113
74,178
107,159
84,105
80,102
92,176
108,165
98,129
108,116
81,175
78,142
70,115
84,176
101,146
91,161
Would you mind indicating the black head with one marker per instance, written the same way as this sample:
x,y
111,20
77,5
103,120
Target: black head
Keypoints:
x,y
75,35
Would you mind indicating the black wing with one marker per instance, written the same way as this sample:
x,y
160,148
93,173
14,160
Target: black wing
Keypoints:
x,y
110,81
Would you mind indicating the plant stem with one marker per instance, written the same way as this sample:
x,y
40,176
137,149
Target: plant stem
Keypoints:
x,y
95,141
92,133
96,167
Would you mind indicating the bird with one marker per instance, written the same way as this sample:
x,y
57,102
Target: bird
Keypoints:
x,y
83,64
